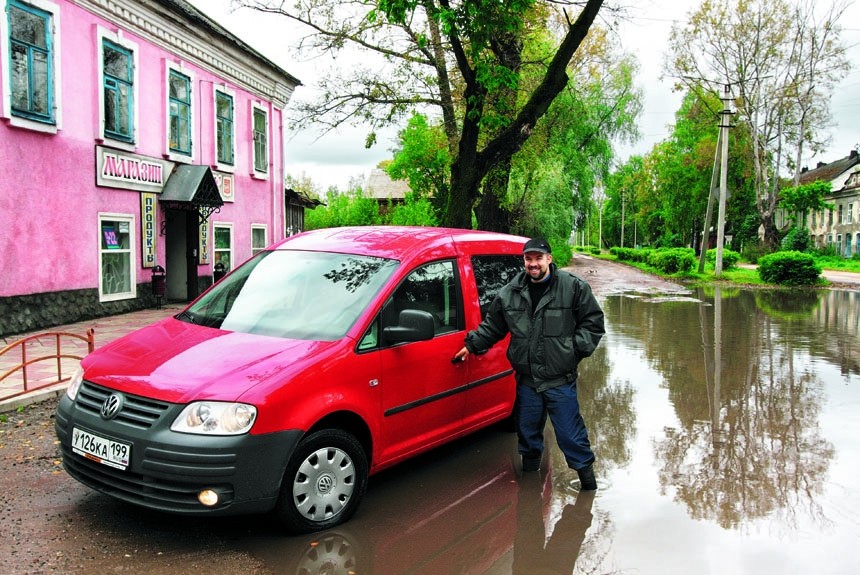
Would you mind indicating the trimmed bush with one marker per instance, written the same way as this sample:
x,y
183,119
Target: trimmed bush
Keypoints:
x,y
730,258
791,268
673,260
798,240
631,254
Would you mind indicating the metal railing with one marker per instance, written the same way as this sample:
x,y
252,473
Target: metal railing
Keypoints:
x,y
24,383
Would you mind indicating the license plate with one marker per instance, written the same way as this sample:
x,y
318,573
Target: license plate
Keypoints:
x,y
105,451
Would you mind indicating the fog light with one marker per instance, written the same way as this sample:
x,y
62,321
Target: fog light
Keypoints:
x,y
207,497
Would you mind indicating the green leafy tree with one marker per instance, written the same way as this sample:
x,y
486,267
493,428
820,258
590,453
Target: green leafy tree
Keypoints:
x,y
414,211
798,200
781,65
459,56
344,209
422,159
554,174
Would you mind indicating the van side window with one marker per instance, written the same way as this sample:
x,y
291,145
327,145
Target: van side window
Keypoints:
x,y
432,288
491,274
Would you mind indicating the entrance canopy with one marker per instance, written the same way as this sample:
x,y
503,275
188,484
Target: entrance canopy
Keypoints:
x,y
192,188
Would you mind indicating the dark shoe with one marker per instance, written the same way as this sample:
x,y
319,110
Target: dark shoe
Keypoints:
x,y
531,463
586,478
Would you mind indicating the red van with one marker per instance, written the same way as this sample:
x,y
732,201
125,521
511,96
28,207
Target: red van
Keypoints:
x,y
318,362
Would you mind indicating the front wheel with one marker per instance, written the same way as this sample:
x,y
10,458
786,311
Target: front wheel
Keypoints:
x,y
324,482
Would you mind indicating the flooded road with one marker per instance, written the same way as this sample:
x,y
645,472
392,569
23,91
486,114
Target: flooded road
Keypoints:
x,y
726,425
726,429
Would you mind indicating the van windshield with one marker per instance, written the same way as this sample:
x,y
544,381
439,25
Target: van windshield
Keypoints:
x,y
293,294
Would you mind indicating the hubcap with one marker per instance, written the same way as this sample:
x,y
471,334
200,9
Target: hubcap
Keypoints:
x,y
324,484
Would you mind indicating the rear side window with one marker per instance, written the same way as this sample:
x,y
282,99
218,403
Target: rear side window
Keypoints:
x,y
491,274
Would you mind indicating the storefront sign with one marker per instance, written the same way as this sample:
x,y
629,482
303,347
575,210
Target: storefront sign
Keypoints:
x,y
149,233
203,252
117,169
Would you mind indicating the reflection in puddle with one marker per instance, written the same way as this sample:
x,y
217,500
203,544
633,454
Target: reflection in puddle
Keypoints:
x,y
724,423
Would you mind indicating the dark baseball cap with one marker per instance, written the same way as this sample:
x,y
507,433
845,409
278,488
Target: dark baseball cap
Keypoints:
x,y
537,245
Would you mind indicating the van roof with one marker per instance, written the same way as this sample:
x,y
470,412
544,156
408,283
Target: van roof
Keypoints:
x,y
399,242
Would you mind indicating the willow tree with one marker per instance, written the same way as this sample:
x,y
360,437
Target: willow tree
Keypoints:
x,y
458,56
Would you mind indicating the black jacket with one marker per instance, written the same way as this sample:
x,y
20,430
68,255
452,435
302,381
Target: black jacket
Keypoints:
x,y
546,347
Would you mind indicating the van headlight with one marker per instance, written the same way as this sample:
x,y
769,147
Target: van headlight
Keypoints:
x,y
75,383
215,418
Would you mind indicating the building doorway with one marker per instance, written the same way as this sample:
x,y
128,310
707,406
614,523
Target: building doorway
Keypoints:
x,y
182,238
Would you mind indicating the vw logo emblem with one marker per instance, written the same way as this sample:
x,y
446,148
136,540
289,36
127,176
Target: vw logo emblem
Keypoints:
x,y
112,406
325,483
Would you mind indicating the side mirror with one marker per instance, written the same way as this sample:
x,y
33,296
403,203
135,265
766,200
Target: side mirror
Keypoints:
x,y
413,325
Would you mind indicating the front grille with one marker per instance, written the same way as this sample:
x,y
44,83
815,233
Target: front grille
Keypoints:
x,y
138,412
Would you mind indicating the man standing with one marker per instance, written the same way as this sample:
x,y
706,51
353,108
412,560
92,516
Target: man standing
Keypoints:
x,y
554,321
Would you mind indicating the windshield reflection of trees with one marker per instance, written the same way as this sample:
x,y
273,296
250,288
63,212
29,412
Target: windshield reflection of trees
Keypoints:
x,y
302,295
748,445
355,272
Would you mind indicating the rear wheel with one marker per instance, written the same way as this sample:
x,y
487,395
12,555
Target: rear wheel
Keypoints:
x,y
324,482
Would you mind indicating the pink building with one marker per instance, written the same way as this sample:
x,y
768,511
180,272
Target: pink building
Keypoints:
x,y
135,136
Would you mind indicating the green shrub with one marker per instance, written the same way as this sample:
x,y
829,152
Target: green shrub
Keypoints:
x,y
730,258
596,251
789,268
562,253
631,254
673,260
623,254
797,239
753,251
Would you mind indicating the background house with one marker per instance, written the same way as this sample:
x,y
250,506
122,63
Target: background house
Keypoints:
x,y
839,227
387,192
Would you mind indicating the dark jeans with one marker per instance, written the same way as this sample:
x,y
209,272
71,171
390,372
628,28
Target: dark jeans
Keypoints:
x,y
562,406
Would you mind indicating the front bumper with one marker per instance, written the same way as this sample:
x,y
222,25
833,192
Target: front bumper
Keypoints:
x,y
167,469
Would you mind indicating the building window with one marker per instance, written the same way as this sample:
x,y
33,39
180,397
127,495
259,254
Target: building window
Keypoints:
x,y
116,257
849,213
260,129
258,239
839,215
179,96
224,127
31,61
118,88
224,246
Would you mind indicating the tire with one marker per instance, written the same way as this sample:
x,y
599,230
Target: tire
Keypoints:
x,y
324,482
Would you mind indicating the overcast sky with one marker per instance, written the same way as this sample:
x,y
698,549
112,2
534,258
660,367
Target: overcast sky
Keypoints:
x,y
337,157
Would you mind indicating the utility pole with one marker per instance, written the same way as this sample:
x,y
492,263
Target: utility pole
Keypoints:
x,y
622,217
725,114
709,212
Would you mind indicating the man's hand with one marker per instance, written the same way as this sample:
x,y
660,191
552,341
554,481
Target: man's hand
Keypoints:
x,y
460,355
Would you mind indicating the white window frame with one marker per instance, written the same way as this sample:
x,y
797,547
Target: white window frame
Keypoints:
x,y
131,251
168,153
229,168
17,121
231,251
262,175
118,39
254,249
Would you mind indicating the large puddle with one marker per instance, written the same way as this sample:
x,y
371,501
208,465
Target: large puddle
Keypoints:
x,y
727,429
